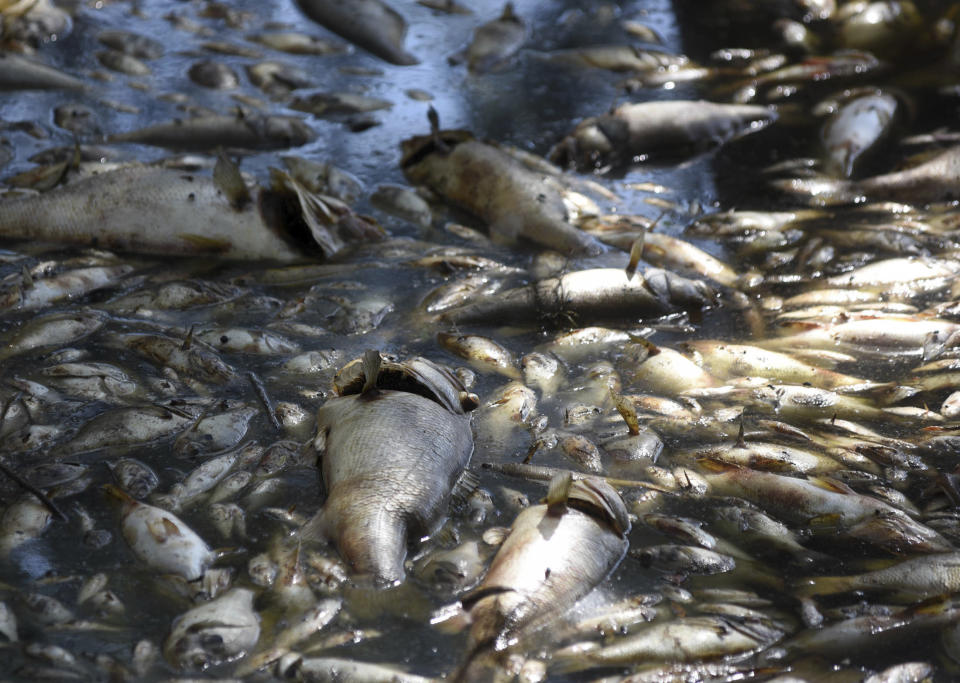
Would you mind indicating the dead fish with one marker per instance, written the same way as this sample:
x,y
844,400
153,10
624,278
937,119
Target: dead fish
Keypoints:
x,y
404,203
213,74
189,359
389,458
619,58
57,329
673,127
123,63
69,284
370,24
298,43
587,296
160,539
20,73
331,104
935,180
91,381
156,210
246,131
856,132
278,79
513,199
482,353
130,43
494,43
555,554
126,427
217,631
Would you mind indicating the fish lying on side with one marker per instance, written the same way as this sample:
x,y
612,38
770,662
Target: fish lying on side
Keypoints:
x,y
20,73
391,447
588,296
555,554
160,211
243,131
483,178
657,128
371,24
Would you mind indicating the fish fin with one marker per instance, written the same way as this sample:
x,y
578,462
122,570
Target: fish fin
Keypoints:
x,y
558,493
316,528
227,178
206,244
119,494
636,253
450,619
715,465
371,369
829,484
163,529
463,488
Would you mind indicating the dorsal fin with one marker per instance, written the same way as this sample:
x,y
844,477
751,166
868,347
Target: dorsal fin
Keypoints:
x,y
371,370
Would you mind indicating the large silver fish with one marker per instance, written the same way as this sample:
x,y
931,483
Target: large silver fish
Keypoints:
x,y
161,211
391,448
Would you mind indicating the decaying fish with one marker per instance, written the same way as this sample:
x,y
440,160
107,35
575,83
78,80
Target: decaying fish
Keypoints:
x,y
243,131
391,446
20,73
537,574
587,296
935,180
371,24
494,43
647,128
160,539
217,631
515,200
156,210
856,132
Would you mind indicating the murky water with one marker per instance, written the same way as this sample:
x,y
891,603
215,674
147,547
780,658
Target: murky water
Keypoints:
x,y
377,303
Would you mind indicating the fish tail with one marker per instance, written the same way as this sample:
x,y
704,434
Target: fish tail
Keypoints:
x,y
822,585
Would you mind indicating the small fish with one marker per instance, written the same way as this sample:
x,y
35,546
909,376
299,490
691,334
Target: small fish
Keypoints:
x,y
161,540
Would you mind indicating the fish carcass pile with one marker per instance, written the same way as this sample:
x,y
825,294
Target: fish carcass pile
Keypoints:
x,y
335,353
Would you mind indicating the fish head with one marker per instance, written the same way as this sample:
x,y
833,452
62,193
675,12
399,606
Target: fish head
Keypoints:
x,y
424,157
593,143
